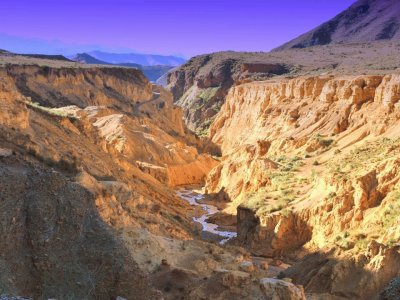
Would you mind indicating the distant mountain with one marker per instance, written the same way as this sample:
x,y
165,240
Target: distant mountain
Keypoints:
x,y
137,58
364,21
85,58
23,45
45,56
151,72
40,56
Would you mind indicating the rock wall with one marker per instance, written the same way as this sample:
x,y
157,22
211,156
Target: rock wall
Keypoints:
x,y
13,111
63,86
77,170
201,85
288,114
299,107
311,163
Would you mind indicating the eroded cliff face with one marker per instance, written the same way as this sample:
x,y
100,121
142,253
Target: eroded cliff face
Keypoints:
x,y
201,85
302,116
312,163
109,139
62,86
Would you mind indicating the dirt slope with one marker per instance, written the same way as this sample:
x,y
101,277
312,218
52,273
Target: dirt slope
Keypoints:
x,y
364,21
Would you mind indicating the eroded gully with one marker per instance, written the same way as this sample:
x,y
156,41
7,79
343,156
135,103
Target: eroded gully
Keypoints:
x,y
194,199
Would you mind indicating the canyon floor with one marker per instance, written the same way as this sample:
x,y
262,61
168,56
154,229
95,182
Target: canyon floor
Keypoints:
x,y
292,192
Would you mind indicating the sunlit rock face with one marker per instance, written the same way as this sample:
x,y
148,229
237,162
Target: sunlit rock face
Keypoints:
x,y
312,163
86,153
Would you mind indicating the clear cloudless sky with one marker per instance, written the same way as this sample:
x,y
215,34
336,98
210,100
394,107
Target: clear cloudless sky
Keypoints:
x,y
186,27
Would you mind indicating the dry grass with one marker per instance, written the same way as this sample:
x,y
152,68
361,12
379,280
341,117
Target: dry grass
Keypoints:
x,y
57,112
284,188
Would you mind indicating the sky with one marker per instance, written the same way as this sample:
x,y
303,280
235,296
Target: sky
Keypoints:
x,y
169,27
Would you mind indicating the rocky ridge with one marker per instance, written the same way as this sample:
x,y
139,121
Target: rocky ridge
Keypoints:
x,y
364,21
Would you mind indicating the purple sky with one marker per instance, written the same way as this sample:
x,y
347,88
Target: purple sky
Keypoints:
x,y
186,27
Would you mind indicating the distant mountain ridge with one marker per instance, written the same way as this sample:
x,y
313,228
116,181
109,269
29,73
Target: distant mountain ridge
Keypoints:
x,y
23,45
85,58
138,58
39,56
153,73
364,21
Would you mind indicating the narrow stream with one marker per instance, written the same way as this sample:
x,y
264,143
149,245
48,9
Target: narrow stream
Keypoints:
x,y
192,198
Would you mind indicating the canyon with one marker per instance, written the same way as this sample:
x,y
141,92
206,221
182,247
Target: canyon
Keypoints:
x,y
300,175
239,176
91,159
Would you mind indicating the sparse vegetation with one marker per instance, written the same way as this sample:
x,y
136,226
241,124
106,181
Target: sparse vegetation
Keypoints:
x,y
283,188
324,142
57,112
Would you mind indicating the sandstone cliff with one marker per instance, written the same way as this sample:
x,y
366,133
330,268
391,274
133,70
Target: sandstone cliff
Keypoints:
x,y
86,153
312,163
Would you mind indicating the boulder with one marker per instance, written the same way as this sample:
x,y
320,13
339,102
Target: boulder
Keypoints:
x,y
234,278
276,289
247,266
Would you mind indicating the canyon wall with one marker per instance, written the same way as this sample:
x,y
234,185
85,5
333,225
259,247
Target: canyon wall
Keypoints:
x,y
86,153
295,116
311,164
201,85
62,86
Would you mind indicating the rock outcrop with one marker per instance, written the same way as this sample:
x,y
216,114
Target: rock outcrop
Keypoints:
x,y
278,289
55,244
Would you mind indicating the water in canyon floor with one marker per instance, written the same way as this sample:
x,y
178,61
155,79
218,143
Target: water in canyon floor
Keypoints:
x,y
193,199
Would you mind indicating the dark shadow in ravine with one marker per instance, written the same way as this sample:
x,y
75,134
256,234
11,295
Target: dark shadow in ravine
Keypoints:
x,y
54,242
347,277
331,271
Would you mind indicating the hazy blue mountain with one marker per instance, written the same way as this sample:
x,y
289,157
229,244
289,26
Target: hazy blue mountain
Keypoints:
x,y
151,72
22,45
85,58
137,58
